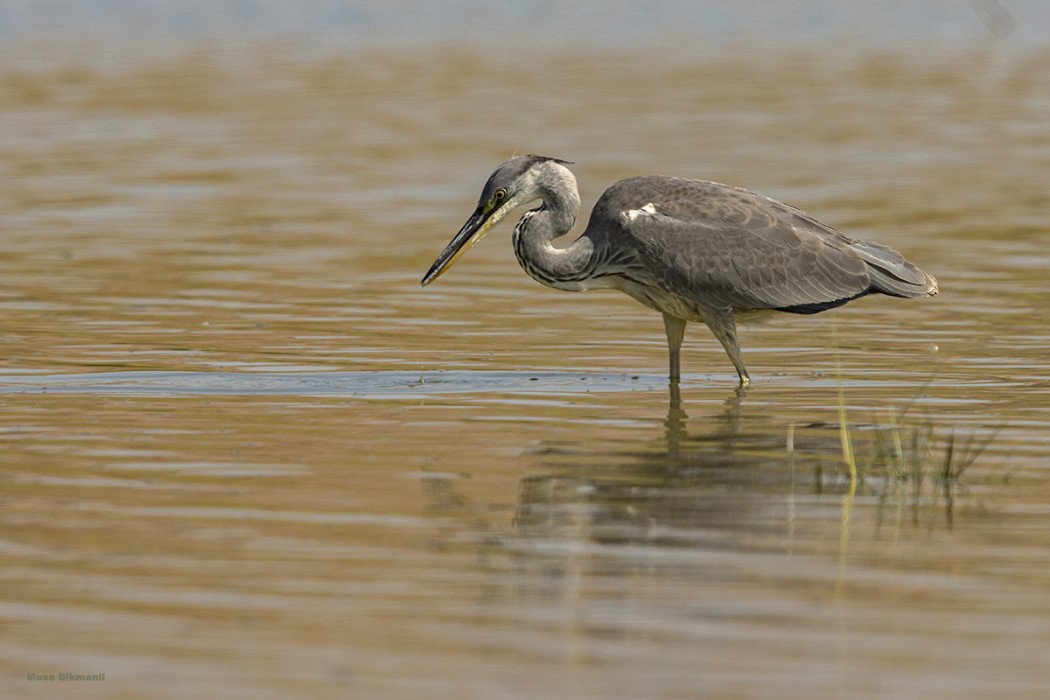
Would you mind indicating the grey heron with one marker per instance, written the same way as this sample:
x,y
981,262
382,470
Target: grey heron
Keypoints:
x,y
690,249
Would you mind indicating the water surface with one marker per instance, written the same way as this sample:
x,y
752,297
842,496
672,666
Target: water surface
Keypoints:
x,y
244,454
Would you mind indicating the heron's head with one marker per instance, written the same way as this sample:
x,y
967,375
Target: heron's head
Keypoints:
x,y
518,181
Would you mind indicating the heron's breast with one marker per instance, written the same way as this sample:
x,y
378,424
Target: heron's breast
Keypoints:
x,y
657,298
665,301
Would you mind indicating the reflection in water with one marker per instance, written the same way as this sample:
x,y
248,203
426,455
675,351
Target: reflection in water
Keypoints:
x,y
262,425
727,423
740,485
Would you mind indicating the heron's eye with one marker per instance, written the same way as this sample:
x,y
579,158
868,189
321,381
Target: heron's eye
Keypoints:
x,y
499,195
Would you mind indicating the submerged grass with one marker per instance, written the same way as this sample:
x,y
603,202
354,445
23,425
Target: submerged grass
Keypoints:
x,y
916,469
849,457
913,468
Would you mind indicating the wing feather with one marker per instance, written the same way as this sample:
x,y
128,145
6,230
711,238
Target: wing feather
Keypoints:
x,y
725,247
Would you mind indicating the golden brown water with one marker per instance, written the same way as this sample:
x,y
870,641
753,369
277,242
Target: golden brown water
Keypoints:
x,y
244,454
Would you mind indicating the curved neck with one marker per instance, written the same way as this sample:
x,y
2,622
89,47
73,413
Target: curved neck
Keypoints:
x,y
562,268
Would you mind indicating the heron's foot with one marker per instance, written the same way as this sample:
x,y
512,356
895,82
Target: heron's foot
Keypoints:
x,y
741,388
674,394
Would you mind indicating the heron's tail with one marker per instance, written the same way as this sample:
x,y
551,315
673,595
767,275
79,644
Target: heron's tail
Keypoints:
x,y
891,274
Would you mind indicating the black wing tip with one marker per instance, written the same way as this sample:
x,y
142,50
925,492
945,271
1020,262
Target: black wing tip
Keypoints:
x,y
817,307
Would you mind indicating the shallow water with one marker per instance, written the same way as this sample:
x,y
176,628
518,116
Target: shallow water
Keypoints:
x,y
244,453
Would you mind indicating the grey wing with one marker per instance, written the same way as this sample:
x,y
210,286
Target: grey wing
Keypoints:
x,y
746,252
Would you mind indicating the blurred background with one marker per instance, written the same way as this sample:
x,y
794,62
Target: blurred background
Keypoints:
x,y
700,27
306,141
243,454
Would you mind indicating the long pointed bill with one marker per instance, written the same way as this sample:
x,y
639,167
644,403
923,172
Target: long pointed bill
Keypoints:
x,y
472,232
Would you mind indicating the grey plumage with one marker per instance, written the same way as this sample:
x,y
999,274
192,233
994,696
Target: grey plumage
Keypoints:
x,y
693,250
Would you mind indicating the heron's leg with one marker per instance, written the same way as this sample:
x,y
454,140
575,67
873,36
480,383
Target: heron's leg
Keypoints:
x,y
675,328
723,325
